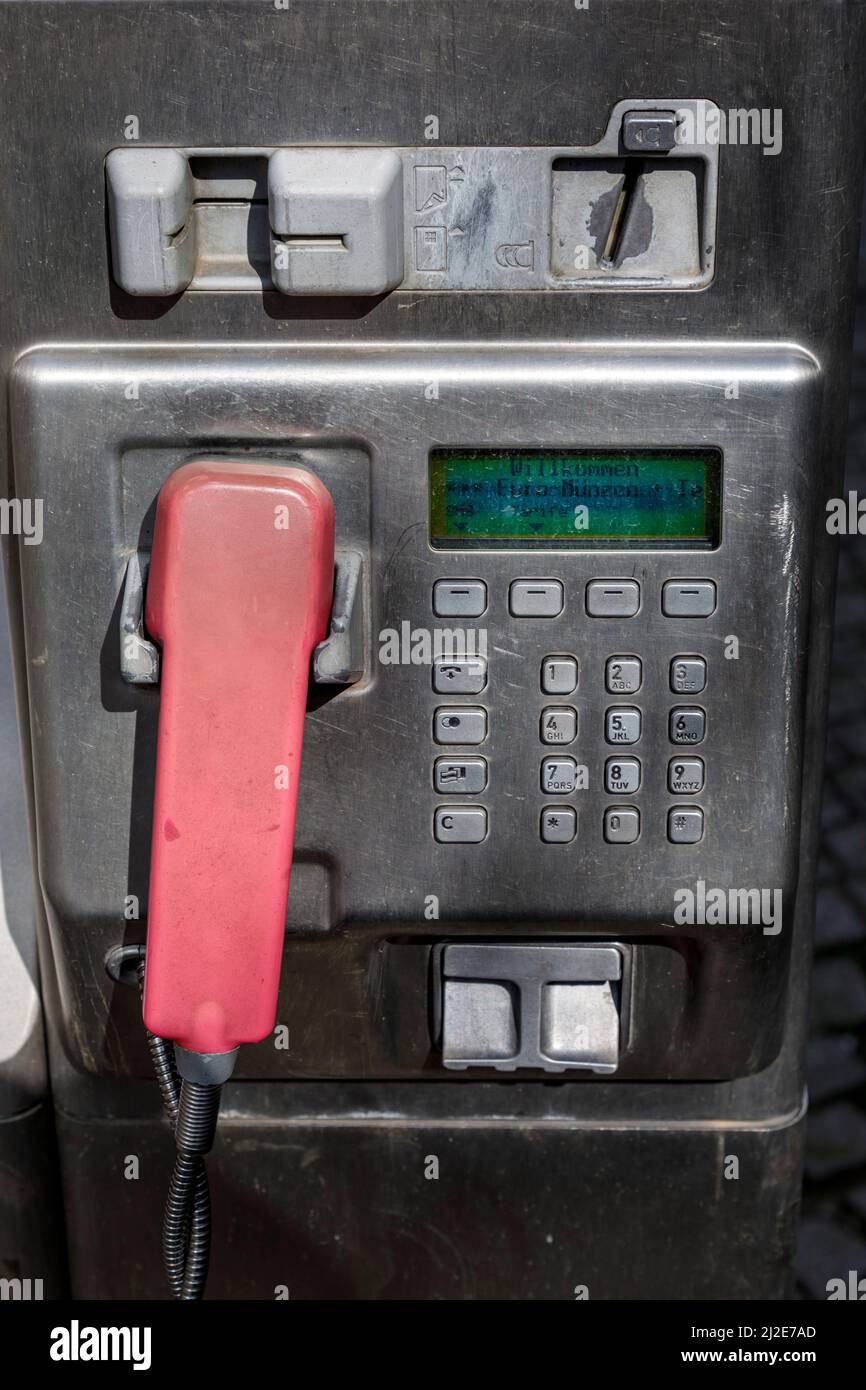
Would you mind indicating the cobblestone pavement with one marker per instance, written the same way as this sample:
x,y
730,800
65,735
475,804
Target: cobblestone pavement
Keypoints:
x,y
833,1229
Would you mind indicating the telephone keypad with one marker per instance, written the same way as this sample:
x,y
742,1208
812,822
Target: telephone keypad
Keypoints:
x,y
622,674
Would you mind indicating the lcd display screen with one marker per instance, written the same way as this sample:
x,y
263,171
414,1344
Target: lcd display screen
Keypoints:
x,y
574,498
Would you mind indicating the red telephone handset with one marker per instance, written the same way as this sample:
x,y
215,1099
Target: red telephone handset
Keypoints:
x,y
239,594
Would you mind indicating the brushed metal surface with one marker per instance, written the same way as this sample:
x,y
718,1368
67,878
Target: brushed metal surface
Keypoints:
x,y
82,445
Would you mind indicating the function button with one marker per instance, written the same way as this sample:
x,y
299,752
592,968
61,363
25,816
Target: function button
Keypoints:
x,y
622,724
688,598
622,776
558,675
688,724
685,776
460,724
623,675
460,825
649,132
558,776
612,598
688,675
685,825
558,725
459,598
558,825
460,776
535,598
464,677
621,825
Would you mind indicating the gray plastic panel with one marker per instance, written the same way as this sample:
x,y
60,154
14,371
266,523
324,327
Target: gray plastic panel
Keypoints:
x,y
545,1007
356,220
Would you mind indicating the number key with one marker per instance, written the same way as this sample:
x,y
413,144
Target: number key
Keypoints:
x,y
622,724
685,776
687,724
621,825
558,725
622,675
688,675
622,776
558,675
558,776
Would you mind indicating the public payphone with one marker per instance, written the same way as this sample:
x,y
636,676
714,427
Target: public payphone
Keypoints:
x,y
434,511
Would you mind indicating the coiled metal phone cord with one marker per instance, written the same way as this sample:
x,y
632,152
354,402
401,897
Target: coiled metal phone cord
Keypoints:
x,y
186,1229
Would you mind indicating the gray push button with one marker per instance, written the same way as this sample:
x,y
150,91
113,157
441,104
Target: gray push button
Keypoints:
x,y
460,724
580,1025
622,776
649,132
467,677
622,675
612,598
460,825
480,1022
687,724
336,220
535,598
685,776
459,598
558,725
621,825
460,776
685,825
558,825
558,675
558,776
688,675
622,724
689,598
150,205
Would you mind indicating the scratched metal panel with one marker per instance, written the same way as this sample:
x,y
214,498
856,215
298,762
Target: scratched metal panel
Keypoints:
x,y
366,852
546,1210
